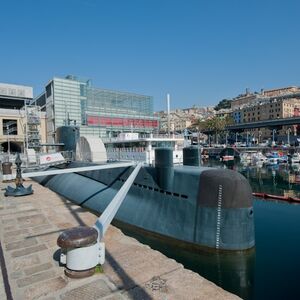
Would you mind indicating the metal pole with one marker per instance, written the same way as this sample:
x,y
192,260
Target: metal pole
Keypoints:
x,y
247,138
105,219
168,112
8,142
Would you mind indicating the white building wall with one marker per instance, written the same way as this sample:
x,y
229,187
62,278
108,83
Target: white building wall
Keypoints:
x,y
17,91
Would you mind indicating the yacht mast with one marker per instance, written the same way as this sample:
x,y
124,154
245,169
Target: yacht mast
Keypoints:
x,y
168,112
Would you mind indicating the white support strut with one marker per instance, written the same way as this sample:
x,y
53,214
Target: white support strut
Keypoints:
x,y
72,170
109,213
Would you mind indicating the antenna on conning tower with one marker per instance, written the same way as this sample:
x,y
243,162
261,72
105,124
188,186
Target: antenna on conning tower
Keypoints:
x,y
67,121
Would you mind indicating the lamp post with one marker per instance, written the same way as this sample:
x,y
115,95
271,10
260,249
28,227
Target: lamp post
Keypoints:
x,y
247,141
273,138
236,137
288,135
8,142
259,135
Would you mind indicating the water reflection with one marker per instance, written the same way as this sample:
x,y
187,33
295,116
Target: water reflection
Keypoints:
x,y
233,271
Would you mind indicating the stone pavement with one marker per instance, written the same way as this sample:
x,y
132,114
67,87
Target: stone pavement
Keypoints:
x,y
29,227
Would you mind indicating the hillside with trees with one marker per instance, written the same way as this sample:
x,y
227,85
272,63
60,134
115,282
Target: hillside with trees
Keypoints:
x,y
225,103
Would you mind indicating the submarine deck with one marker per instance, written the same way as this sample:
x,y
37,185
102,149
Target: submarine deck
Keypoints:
x,y
29,229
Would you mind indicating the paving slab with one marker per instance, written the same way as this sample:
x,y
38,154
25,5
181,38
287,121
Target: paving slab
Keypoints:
x,y
29,228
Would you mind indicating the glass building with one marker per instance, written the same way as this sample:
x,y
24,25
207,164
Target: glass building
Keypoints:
x,y
98,112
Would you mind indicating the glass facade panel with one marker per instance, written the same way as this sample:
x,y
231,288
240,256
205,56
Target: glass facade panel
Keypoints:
x,y
99,112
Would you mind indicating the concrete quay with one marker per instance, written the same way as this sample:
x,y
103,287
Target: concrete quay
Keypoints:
x,y
29,227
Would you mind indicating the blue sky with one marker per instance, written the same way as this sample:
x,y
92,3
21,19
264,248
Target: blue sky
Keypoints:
x,y
198,51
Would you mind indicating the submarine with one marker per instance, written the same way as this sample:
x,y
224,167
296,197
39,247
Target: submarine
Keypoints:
x,y
187,205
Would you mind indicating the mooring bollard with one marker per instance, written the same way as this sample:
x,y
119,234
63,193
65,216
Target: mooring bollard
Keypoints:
x,y
80,251
19,190
6,170
81,247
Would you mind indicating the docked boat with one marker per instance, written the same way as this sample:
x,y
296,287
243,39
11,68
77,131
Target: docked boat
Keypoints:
x,y
258,158
294,158
248,156
283,159
227,154
185,205
272,158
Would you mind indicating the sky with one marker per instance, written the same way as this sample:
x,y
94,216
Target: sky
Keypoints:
x,y
199,52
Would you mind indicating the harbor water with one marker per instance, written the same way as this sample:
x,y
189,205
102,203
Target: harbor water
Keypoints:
x,y
271,270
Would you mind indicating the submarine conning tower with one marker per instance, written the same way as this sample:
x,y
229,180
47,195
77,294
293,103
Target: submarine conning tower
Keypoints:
x,y
191,156
68,135
164,167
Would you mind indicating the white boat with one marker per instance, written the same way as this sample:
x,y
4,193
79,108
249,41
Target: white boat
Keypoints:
x,y
247,156
295,158
252,156
258,157
271,161
129,146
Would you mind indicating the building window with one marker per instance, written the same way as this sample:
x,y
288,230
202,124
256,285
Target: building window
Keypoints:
x,y
82,90
10,127
48,90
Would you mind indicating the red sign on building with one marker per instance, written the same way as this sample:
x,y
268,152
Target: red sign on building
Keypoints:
x,y
120,122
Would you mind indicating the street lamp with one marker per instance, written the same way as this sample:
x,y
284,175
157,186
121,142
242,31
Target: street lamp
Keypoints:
x,y
273,140
259,135
288,135
226,138
8,142
236,137
247,139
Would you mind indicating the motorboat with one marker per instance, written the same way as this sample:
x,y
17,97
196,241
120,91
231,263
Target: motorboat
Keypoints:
x,y
294,158
272,158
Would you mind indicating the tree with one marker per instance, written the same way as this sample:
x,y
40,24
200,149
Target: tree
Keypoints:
x,y
198,125
225,103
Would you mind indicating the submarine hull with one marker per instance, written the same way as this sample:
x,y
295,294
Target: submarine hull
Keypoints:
x,y
204,207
